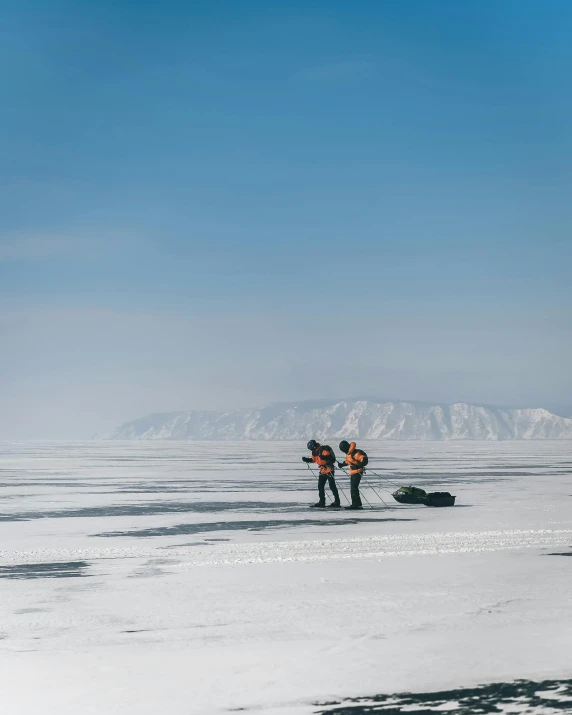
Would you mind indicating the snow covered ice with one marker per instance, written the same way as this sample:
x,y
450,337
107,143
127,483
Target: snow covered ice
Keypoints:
x,y
150,577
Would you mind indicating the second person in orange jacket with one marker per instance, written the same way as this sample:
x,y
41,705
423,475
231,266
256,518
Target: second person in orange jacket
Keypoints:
x,y
356,460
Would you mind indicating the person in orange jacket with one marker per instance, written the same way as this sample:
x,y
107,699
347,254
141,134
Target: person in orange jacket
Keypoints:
x,y
356,460
324,457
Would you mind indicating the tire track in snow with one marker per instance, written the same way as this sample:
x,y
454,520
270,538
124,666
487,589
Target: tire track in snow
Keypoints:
x,y
316,550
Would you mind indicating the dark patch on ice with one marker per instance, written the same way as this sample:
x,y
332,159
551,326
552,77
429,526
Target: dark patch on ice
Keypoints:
x,y
191,543
47,483
21,611
472,477
141,630
153,568
64,569
563,553
153,509
221,483
219,539
242,526
521,695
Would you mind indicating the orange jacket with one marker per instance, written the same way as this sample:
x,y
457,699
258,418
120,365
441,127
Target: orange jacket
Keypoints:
x,y
356,459
325,458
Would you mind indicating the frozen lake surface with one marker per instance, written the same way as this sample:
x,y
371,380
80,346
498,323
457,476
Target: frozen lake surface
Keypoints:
x,y
192,578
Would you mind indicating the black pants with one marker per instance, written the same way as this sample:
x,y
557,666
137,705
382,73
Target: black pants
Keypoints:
x,y
322,479
355,479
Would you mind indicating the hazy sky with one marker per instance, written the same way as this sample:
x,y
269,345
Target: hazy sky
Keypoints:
x,y
224,203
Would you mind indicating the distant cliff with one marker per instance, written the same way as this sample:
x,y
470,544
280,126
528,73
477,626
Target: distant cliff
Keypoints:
x,y
366,419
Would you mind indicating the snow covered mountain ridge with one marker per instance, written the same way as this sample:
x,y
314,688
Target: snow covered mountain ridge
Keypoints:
x,y
351,419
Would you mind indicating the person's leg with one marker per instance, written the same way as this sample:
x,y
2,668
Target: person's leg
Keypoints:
x,y
322,479
355,479
334,488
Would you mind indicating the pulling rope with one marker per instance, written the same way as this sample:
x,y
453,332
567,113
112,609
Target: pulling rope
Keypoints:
x,y
377,494
382,476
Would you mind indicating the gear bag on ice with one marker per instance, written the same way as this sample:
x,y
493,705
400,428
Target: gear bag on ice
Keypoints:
x,y
414,495
409,495
439,499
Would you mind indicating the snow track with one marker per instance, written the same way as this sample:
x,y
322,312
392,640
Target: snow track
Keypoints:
x,y
271,552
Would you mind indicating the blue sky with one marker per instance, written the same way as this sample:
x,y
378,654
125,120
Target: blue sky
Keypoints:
x,y
217,204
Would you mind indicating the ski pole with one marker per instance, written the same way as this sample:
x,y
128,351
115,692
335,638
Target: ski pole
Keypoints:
x,y
345,497
340,488
367,500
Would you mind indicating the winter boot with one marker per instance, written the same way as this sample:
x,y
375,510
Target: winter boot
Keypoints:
x,y
334,505
318,505
354,506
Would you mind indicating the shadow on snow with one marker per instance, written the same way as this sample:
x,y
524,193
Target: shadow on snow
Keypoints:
x,y
66,569
520,696
152,509
242,526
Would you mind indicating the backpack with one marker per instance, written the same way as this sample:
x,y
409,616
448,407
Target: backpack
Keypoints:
x,y
332,458
365,457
